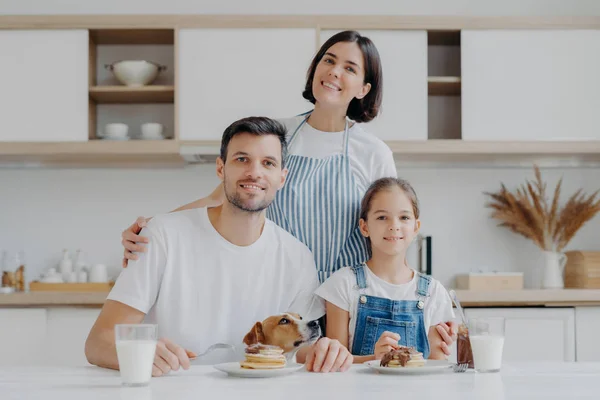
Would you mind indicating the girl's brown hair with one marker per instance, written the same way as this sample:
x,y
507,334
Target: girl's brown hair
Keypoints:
x,y
359,110
385,184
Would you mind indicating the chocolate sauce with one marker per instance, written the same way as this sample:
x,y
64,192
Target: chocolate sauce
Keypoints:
x,y
463,347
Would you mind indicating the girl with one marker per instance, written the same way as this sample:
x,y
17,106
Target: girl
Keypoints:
x,y
332,159
373,307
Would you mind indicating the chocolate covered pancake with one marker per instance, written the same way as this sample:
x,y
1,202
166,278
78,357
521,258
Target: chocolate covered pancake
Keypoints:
x,y
403,357
260,356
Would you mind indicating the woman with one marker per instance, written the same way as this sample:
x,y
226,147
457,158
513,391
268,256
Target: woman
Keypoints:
x,y
331,160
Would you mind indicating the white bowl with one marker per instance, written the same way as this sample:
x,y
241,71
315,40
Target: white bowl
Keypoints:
x,y
135,72
115,130
152,130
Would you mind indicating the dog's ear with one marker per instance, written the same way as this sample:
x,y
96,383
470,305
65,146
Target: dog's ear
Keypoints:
x,y
255,335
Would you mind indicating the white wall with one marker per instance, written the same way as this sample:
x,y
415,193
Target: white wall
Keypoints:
x,y
340,7
44,211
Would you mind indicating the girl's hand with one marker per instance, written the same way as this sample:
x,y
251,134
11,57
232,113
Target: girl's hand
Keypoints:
x,y
131,240
448,332
387,341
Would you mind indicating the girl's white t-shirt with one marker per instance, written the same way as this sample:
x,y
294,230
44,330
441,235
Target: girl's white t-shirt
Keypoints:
x,y
341,290
370,158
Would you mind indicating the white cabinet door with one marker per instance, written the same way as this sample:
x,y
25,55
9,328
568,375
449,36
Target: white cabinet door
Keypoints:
x,y
587,321
403,114
44,85
535,334
530,84
22,336
66,333
228,74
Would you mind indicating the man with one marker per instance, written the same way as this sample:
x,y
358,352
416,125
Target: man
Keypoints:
x,y
210,273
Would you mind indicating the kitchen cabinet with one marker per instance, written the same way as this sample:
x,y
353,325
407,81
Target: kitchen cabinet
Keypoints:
x,y
530,84
44,81
534,334
403,115
22,336
587,320
228,74
66,332
45,336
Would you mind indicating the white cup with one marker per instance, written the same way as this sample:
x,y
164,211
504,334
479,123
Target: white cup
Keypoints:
x,y
136,345
98,273
116,130
487,343
152,130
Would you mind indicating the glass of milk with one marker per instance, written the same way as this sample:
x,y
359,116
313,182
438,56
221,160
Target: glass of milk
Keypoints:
x,y
136,344
487,343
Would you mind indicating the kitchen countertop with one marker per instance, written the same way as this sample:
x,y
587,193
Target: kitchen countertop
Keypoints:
x,y
515,381
468,298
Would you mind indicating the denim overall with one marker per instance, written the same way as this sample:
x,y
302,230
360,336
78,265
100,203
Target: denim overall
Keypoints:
x,y
319,205
376,315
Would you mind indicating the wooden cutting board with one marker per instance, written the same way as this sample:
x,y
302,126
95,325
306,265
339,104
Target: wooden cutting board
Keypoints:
x,y
36,286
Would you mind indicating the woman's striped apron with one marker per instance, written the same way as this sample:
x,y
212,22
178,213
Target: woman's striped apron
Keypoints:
x,y
319,204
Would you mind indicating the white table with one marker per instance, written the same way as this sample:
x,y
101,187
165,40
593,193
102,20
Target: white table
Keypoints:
x,y
516,381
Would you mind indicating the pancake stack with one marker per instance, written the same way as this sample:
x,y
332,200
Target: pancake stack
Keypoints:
x,y
261,356
404,357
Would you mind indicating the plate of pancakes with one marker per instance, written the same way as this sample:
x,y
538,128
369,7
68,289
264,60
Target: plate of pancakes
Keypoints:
x,y
261,361
407,360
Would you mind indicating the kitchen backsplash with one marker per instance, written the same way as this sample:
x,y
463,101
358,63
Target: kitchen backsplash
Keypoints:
x,y
43,211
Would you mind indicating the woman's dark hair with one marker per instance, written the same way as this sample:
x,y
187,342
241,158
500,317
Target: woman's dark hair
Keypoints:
x,y
385,184
258,126
359,110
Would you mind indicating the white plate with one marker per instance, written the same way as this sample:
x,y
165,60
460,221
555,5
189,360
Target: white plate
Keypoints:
x,y
430,367
234,369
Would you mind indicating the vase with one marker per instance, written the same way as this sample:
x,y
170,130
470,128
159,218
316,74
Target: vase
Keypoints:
x,y
553,270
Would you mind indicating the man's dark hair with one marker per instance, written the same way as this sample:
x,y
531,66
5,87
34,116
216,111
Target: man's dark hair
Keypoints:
x,y
258,126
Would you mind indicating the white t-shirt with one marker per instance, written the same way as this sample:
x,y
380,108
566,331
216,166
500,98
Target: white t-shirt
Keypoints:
x,y
201,289
370,158
340,290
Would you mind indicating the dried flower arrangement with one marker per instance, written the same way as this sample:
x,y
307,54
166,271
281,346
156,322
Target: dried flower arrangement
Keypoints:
x,y
528,213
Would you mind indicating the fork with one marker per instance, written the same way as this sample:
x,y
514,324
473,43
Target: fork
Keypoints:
x,y
460,367
212,348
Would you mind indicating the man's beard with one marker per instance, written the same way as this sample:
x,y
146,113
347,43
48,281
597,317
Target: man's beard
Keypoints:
x,y
236,200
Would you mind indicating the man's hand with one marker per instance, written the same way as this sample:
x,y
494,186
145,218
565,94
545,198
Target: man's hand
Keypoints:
x,y
169,357
387,341
328,355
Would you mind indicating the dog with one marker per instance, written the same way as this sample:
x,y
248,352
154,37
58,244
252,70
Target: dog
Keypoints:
x,y
288,331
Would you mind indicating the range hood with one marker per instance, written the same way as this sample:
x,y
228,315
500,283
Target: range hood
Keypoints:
x,y
199,153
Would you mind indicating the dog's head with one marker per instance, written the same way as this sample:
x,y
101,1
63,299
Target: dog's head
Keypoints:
x,y
288,331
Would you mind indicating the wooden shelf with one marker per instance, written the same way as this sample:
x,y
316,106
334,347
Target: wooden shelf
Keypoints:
x,y
94,153
126,94
338,22
132,36
564,153
171,153
456,151
444,85
529,297
468,147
